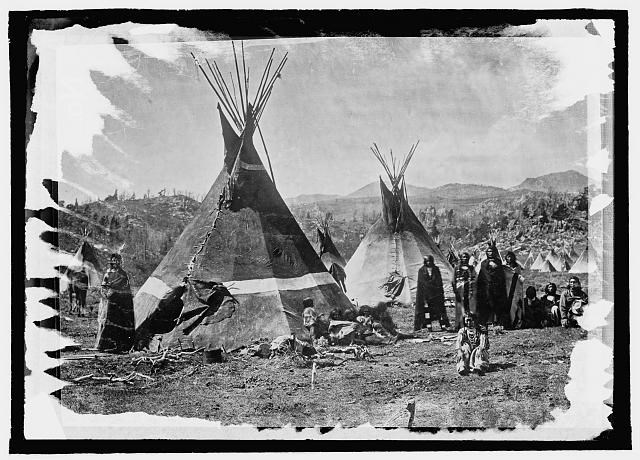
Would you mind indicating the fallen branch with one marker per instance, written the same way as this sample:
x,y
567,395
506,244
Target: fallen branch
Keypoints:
x,y
84,377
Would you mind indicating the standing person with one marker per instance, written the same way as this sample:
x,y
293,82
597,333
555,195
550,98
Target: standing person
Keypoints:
x,y
115,314
572,301
551,305
514,285
431,293
491,294
463,284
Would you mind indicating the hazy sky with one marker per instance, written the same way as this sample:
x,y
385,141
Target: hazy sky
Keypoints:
x,y
486,110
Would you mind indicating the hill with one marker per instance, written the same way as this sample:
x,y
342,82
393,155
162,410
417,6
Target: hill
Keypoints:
x,y
468,191
373,190
310,198
566,181
147,228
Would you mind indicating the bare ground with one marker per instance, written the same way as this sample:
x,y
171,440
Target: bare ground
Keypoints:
x,y
525,383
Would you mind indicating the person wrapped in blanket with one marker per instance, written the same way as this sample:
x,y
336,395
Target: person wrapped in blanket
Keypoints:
x,y
551,305
535,316
472,342
463,286
115,313
572,302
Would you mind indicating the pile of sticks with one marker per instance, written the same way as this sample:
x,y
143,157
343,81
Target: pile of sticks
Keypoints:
x,y
112,378
158,360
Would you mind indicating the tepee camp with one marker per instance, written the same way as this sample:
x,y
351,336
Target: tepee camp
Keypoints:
x,y
242,268
385,265
329,254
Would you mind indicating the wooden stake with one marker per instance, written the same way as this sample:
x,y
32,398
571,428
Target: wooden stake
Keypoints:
x,y
411,407
314,371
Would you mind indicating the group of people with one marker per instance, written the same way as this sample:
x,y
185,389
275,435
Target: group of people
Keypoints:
x,y
488,297
480,299
362,325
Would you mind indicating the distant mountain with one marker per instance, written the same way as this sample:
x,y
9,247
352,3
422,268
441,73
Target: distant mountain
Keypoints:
x,y
468,191
373,189
566,181
310,198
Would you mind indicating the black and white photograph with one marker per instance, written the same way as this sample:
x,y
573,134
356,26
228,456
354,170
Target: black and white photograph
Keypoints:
x,y
317,225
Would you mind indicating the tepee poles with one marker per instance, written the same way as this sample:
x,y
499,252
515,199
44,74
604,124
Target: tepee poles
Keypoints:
x,y
395,175
238,111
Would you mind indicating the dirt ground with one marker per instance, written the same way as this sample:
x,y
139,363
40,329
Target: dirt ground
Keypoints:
x,y
525,383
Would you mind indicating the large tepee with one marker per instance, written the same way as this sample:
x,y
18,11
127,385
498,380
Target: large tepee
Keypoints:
x,y
329,254
385,265
242,268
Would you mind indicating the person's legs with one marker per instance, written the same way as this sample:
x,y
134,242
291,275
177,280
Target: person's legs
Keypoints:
x,y
418,319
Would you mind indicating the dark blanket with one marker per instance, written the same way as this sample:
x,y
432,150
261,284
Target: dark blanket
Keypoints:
x,y
491,294
115,315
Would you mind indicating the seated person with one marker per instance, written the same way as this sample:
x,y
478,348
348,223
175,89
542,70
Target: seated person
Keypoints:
x,y
572,301
551,305
374,333
316,325
534,314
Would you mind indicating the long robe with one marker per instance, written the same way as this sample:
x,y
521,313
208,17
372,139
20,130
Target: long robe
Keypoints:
x,y
115,315
514,283
430,292
464,287
491,296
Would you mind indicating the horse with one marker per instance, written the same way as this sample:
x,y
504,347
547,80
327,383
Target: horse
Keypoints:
x,y
78,286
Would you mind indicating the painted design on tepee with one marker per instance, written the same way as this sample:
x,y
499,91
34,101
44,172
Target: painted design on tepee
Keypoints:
x,y
385,265
242,268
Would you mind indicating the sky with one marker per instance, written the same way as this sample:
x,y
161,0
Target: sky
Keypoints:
x,y
491,111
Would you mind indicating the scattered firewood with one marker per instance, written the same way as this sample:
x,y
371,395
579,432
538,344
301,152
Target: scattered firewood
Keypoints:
x,y
84,377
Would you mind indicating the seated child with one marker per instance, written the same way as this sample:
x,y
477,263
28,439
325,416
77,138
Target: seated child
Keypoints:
x,y
472,345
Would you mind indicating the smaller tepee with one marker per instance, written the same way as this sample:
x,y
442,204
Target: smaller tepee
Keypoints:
x,y
537,264
581,265
528,262
553,258
329,254
547,267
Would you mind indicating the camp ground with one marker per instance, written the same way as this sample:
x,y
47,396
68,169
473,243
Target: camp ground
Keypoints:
x,y
252,304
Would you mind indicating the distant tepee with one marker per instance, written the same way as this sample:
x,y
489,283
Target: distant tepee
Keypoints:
x,y
329,254
581,265
385,265
242,268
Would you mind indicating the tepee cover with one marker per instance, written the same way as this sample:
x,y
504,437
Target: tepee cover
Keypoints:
x,y
547,267
537,264
330,256
85,258
553,258
528,262
385,265
245,238
581,265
